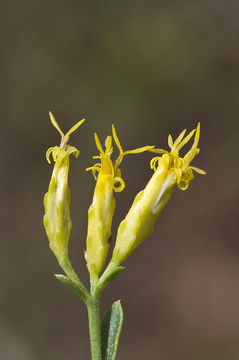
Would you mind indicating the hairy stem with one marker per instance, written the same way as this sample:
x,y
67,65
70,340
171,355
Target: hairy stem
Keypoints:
x,y
94,329
93,307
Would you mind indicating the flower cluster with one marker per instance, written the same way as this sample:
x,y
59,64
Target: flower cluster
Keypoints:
x,y
170,169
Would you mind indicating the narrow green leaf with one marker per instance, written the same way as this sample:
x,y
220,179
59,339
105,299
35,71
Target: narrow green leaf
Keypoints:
x,y
71,285
108,276
110,331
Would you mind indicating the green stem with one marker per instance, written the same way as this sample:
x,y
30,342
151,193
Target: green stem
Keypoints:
x,y
93,307
92,301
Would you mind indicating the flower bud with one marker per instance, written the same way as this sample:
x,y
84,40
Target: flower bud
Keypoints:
x,y
169,169
56,220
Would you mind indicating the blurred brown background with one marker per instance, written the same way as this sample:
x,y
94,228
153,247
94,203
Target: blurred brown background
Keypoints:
x,y
151,68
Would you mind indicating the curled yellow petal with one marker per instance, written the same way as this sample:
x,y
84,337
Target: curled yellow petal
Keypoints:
x,y
94,169
48,153
121,186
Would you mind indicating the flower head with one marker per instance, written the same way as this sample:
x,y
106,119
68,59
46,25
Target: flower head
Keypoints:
x,y
107,167
170,169
56,220
180,166
64,150
102,208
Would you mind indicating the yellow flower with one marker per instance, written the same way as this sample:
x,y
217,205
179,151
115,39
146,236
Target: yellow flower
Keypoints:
x,y
183,172
56,220
101,211
170,169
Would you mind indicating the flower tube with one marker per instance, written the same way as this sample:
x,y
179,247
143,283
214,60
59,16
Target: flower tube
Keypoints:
x,y
101,210
56,220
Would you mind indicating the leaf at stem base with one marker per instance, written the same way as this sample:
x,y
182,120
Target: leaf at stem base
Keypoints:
x,y
110,331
